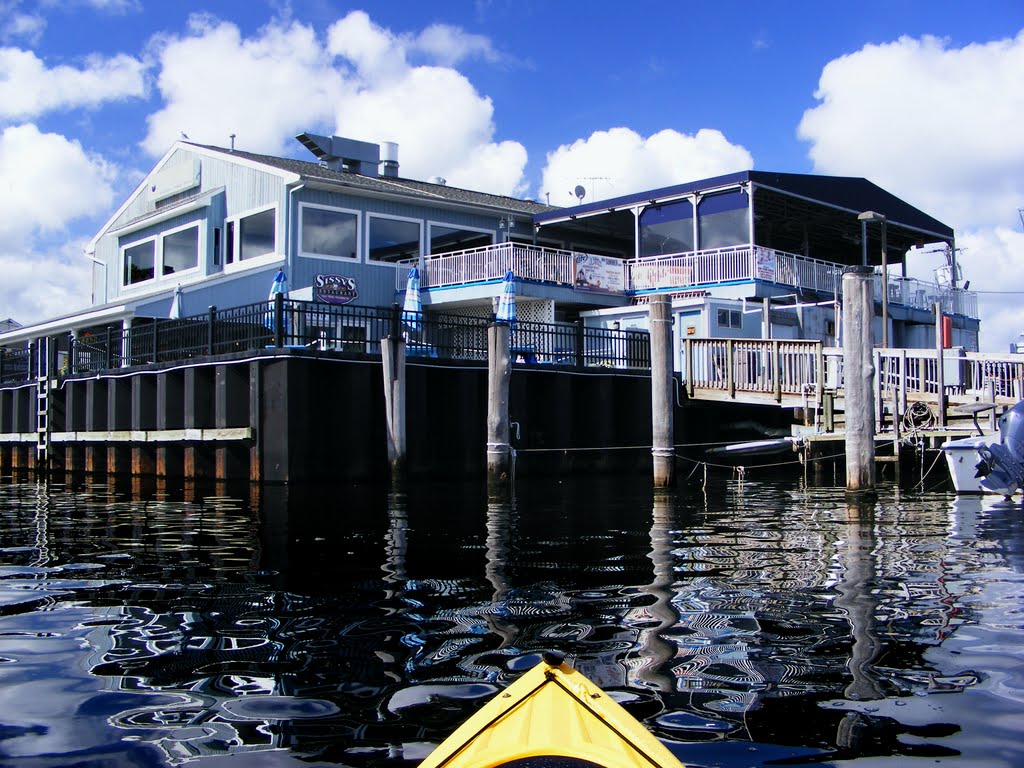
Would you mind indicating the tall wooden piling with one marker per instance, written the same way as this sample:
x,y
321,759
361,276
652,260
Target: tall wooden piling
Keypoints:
x,y
858,361
499,374
662,432
393,360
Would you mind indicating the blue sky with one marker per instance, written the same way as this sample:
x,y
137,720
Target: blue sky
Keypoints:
x,y
528,98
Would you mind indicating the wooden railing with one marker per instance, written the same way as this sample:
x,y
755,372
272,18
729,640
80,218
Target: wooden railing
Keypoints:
x,y
773,367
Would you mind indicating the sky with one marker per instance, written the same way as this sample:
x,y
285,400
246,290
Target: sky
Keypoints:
x,y
527,97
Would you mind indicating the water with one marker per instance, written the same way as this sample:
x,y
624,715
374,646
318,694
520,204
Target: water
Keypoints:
x,y
746,623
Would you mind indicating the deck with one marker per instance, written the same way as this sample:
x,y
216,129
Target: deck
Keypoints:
x,y
805,374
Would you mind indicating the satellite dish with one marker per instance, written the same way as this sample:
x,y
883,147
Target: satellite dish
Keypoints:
x,y
580,192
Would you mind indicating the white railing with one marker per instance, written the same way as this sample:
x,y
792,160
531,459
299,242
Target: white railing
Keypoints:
x,y
676,271
491,262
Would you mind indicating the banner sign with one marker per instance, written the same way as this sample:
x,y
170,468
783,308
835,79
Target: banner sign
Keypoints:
x,y
600,273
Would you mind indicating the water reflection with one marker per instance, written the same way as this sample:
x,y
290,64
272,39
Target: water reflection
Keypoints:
x,y
360,627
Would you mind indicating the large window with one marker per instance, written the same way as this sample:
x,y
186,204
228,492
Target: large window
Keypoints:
x,y
392,240
256,234
252,236
139,262
445,239
723,220
181,250
328,232
666,229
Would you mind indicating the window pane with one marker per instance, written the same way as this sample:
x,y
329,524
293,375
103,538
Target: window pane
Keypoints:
x,y
256,235
181,250
392,240
723,221
448,239
329,233
139,261
667,229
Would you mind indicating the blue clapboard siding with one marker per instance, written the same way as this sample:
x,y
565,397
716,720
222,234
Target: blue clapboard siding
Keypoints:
x,y
232,186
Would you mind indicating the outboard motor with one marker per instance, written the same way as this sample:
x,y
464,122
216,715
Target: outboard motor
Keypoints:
x,y
1002,464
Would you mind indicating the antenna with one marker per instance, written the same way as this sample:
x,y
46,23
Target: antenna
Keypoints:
x,y
580,192
1020,212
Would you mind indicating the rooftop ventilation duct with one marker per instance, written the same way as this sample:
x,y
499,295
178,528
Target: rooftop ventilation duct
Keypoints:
x,y
389,159
341,154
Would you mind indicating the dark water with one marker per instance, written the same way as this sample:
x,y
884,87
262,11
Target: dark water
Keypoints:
x,y
746,623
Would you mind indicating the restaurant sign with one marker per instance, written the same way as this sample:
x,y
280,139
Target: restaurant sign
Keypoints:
x,y
334,289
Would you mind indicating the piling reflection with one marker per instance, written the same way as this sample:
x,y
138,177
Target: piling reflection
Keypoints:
x,y
360,627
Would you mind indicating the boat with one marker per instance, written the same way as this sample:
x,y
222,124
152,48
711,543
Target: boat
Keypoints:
x,y
756,447
552,716
989,464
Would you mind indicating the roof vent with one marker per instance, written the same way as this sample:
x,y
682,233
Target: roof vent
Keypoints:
x,y
439,180
340,154
389,159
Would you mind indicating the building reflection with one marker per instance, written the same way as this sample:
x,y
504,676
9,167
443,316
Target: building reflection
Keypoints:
x,y
379,620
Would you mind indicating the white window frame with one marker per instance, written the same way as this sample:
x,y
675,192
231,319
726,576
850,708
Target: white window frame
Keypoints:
x,y
200,226
369,232
157,263
425,245
158,257
328,257
272,257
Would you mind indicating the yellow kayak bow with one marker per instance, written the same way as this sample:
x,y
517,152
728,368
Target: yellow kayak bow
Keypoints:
x,y
552,711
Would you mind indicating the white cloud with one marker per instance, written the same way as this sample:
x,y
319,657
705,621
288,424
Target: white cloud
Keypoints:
x,y
21,26
1000,253
620,161
47,279
357,83
29,89
50,283
939,126
268,88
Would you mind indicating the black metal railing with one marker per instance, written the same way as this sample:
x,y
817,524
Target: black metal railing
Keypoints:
x,y
344,329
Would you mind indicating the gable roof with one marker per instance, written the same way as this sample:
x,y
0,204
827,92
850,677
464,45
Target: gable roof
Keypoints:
x,y
316,173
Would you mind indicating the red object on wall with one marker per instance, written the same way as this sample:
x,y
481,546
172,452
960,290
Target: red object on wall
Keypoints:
x,y
947,331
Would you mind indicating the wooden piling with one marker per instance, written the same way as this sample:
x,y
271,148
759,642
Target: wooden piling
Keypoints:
x,y
393,364
858,361
499,374
662,433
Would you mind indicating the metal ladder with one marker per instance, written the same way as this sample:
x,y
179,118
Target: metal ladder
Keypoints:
x,y
42,401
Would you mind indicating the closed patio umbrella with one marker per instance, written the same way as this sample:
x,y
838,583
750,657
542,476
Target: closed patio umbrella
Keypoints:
x,y
175,313
412,310
507,302
279,286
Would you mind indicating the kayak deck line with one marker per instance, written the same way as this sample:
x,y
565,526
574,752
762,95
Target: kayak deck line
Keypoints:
x,y
552,711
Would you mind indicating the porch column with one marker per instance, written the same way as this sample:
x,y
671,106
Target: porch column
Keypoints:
x,y
859,372
126,342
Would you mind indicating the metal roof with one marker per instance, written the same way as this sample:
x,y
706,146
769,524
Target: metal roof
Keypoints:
x,y
850,193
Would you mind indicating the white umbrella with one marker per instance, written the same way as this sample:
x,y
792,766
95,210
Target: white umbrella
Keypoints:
x,y
507,303
176,304
412,310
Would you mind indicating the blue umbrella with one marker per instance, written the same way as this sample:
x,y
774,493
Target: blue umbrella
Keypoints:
x,y
507,302
412,317
280,285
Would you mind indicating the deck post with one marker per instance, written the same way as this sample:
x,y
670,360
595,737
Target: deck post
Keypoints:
x,y
393,359
940,373
662,433
499,374
858,362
